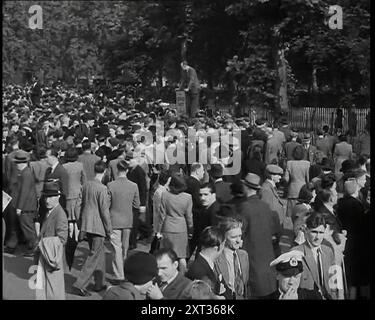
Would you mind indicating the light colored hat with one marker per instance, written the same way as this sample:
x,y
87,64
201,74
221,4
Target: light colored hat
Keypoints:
x,y
289,263
274,169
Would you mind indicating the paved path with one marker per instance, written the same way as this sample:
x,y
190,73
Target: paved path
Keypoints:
x,y
17,272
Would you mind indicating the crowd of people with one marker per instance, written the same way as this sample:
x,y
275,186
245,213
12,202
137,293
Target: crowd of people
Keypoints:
x,y
78,165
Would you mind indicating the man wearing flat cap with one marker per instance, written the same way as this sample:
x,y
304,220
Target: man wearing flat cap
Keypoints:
x,y
259,230
289,269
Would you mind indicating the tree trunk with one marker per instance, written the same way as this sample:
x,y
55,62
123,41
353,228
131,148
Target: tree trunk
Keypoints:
x,y
281,86
314,87
160,78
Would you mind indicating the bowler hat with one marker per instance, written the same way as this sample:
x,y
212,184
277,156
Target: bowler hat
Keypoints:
x,y
51,188
252,181
140,268
21,157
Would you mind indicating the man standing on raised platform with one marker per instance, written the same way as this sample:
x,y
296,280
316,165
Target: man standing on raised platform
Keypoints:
x,y
191,85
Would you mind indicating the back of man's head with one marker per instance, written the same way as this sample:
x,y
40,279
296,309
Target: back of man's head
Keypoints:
x,y
122,166
211,237
100,167
314,220
86,145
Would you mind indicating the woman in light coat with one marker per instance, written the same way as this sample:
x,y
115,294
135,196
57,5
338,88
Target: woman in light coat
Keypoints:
x,y
296,175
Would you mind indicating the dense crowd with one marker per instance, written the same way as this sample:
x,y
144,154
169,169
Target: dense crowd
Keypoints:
x,y
79,166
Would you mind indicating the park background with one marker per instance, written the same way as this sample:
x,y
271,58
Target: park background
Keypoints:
x,y
272,56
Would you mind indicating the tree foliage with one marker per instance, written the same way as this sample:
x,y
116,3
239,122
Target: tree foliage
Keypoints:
x,y
257,49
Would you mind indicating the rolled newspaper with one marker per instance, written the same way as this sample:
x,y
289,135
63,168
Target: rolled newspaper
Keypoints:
x,y
6,200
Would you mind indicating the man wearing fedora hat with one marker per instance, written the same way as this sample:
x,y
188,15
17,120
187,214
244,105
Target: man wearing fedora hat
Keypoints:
x,y
25,200
310,150
54,224
259,230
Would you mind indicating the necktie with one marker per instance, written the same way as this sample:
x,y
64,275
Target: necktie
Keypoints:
x,y
320,268
163,285
48,172
238,288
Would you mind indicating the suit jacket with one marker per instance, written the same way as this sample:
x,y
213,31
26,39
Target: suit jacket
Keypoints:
x,y
201,270
343,150
76,180
55,225
39,169
310,154
26,199
272,150
60,145
42,138
310,276
175,212
95,216
222,267
88,160
61,174
287,132
113,171
124,291
84,131
190,81
268,194
304,294
223,192
259,228
138,176
178,289
123,198
193,187
255,166
325,145
297,175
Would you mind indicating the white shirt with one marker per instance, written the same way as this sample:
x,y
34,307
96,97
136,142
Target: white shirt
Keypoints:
x,y
315,252
228,253
272,183
54,167
209,261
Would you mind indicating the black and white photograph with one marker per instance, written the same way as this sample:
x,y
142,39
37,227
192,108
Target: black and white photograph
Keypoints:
x,y
186,150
